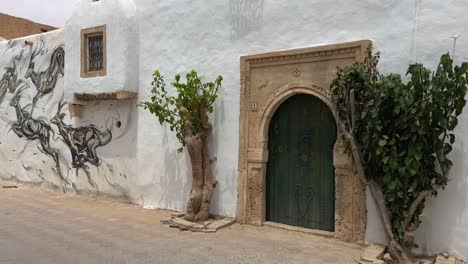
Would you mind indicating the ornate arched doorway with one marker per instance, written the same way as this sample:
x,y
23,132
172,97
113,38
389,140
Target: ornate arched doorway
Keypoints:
x,y
267,81
300,172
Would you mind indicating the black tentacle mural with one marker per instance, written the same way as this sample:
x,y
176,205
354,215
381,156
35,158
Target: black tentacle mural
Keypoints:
x,y
9,81
50,134
33,129
82,141
46,80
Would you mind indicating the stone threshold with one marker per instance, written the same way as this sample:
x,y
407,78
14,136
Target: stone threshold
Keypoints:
x,y
301,229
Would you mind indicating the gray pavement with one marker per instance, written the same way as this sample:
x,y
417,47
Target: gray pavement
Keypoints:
x,y
38,226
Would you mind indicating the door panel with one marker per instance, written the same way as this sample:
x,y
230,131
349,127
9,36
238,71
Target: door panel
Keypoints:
x,y
300,173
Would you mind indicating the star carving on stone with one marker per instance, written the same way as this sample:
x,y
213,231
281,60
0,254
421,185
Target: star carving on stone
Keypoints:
x,y
297,73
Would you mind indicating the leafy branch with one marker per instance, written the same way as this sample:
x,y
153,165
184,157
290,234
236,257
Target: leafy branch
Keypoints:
x,y
400,135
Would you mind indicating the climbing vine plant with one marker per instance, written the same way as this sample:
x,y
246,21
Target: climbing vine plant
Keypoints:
x,y
400,134
185,110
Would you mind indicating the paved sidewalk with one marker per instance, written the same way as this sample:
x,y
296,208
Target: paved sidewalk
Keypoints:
x,y
38,226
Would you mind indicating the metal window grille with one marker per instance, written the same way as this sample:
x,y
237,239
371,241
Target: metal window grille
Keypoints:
x,y
95,53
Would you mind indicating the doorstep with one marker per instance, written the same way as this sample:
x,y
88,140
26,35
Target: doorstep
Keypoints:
x,y
300,229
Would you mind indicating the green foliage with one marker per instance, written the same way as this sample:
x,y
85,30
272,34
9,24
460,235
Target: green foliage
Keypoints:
x,y
192,100
401,127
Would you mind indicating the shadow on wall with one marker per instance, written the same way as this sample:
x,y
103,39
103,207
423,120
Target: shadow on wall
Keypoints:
x,y
224,182
446,216
117,160
177,177
175,186
246,16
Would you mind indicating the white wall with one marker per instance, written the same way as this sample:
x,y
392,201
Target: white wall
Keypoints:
x,y
29,142
179,35
21,158
122,48
176,36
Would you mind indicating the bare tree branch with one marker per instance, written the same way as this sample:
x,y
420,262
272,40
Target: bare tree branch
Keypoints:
x,y
414,206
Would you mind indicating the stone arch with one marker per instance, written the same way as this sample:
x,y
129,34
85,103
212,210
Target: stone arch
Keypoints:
x,y
340,159
282,94
267,80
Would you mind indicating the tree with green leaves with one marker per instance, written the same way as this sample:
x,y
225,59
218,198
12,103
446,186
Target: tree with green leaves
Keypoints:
x,y
186,113
400,135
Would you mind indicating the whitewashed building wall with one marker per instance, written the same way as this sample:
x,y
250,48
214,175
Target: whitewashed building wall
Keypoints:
x,y
141,161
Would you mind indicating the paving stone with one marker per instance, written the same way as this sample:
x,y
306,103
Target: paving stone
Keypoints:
x,y
387,257
216,225
177,215
426,261
166,221
185,225
445,260
372,253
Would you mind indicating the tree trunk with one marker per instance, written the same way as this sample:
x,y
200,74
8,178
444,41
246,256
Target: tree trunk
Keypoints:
x,y
195,146
395,250
203,214
198,205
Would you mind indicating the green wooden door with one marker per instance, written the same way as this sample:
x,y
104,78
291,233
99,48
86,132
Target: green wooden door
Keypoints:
x,y
300,173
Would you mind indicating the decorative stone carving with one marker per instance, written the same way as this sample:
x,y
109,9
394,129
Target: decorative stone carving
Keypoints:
x,y
257,155
303,54
256,193
263,86
297,73
253,107
312,71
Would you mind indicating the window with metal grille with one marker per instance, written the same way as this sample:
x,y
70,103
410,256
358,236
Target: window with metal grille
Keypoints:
x,y
93,52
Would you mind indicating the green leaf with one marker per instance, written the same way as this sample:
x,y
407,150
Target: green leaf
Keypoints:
x,y
385,160
185,105
382,142
400,127
418,156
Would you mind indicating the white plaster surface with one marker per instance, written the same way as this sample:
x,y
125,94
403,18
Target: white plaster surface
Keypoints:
x,y
119,16
191,35
23,157
179,35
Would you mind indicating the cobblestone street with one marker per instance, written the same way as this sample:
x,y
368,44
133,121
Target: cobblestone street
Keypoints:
x,y
38,226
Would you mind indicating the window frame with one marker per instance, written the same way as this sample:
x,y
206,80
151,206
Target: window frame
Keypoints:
x,y
85,34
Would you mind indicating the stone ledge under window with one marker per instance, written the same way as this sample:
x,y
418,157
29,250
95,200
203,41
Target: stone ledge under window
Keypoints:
x,y
123,95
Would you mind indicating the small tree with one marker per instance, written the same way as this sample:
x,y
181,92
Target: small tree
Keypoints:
x,y
400,135
186,113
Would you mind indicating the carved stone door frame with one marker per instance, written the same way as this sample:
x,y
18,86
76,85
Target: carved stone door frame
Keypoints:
x,y
269,79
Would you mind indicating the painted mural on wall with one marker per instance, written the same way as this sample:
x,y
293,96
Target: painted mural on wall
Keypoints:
x,y
36,131
29,128
10,81
46,80
82,141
